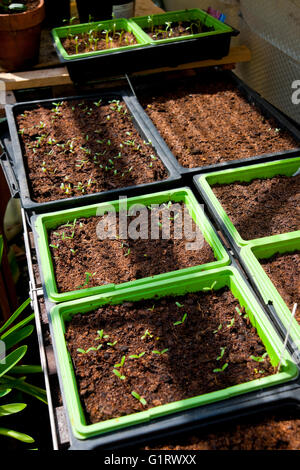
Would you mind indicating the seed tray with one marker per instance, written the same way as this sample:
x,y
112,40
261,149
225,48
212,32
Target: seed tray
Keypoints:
x,y
42,223
188,413
251,96
18,163
204,185
146,54
250,257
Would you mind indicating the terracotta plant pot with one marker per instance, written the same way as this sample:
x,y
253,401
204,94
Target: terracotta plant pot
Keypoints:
x,y
20,38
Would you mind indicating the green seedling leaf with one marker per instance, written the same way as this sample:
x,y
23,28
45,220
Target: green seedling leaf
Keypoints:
x,y
112,344
101,335
147,333
160,352
238,311
222,368
82,351
205,289
221,354
218,329
119,375
259,358
179,304
231,323
121,364
181,321
137,356
139,398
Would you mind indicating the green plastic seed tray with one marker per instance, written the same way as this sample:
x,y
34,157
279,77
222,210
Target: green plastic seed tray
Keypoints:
x,y
250,256
45,222
205,183
164,20
120,24
230,277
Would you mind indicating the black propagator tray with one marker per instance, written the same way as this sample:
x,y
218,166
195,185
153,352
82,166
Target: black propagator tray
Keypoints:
x,y
148,84
17,164
148,53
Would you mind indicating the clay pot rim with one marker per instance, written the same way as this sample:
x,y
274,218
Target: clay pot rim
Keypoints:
x,y
23,20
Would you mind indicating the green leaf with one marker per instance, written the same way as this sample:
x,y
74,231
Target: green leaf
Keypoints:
x,y
12,359
4,392
17,7
16,313
18,325
26,369
1,248
16,435
11,408
15,337
25,387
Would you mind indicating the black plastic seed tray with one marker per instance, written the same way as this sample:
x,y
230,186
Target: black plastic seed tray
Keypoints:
x,y
18,166
149,84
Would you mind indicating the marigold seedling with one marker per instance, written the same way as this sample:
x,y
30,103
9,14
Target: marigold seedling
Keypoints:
x,y
137,356
180,321
223,349
88,277
121,363
112,344
160,352
231,323
82,351
179,304
222,368
259,358
218,329
119,375
139,398
147,333
205,289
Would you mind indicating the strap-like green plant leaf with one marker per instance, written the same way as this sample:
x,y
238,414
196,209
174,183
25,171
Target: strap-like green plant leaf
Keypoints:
x,y
16,435
1,248
25,387
16,337
4,392
26,369
18,326
15,314
11,408
12,359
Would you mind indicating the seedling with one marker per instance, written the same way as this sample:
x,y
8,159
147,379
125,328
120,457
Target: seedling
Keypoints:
x,y
128,252
112,344
139,398
205,289
54,246
101,335
137,356
238,311
147,333
179,304
181,321
82,351
160,352
259,358
222,368
221,353
231,323
218,329
121,363
119,375
151,309
88,277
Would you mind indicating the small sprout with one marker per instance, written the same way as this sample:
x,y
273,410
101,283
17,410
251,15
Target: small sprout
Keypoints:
x,y
137,356
179,304
151,309
147,333
118,374
112,344
259,358
221,353
121,364
218,329
238,311
88,277
73,251
128,252
82,351
160,352
222,368
231,323
139,398
181,321
54,246
211,287
101,335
